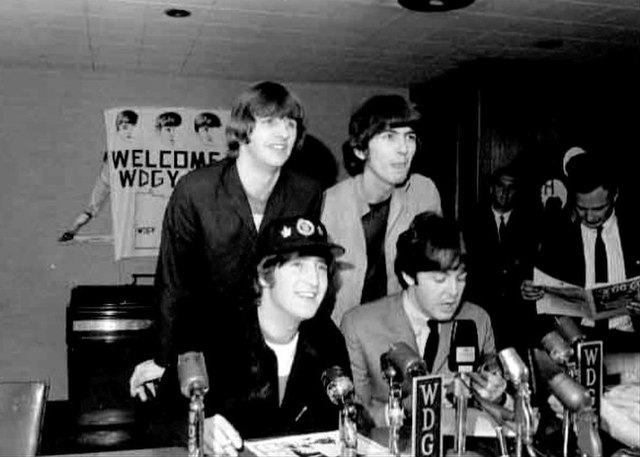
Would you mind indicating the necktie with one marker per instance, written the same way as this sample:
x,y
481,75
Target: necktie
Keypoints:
x,y
601,258
502,229
431,347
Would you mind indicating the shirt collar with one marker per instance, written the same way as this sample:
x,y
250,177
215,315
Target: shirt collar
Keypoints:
x,y
506,215
608,225
417,319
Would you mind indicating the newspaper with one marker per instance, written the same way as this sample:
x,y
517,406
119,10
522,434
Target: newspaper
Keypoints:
x,y
595,303
322,444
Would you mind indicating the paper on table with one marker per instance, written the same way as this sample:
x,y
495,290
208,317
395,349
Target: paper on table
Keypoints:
x,y
322,444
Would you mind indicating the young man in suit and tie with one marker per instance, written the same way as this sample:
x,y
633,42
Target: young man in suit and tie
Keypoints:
x,y
430,263
501,242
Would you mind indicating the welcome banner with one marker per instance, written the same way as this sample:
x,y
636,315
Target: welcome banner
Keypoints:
x,y
148,150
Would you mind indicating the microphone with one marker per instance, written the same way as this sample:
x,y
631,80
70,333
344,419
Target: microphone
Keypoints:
x,y
338,386
401,364
576,399
192,374
340,391
558,349
463,353
463,358
517,372
567,327
194,383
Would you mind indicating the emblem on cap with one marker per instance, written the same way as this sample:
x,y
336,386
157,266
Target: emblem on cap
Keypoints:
x,y
285,232
305,227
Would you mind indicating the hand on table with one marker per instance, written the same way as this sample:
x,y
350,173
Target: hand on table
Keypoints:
x,y
490,386
220,437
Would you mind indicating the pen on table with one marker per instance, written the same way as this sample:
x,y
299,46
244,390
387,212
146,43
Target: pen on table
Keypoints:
x,y
302,411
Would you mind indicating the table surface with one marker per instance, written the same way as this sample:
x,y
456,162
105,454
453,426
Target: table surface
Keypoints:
x,y
478,425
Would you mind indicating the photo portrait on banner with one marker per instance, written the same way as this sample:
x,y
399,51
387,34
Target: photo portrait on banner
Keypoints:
x,y
148,150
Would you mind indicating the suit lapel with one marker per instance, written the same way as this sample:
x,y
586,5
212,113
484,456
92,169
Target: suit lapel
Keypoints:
x,y
399,323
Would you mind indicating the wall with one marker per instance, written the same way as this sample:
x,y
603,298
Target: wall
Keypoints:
x,y
492,113
51,137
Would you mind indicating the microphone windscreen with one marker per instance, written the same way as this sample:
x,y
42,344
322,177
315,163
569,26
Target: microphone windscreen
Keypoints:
x,y
571,394
338,385
547,368
406,360
513,366
557,347
463,353
192,373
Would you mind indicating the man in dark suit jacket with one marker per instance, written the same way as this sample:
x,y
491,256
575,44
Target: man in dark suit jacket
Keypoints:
x,y
430,264
501,241
265,362
570,251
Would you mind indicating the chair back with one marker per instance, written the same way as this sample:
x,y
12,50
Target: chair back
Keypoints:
x,y
22,405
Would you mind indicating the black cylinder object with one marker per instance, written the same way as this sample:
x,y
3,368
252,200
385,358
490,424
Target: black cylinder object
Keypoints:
x,y
109,331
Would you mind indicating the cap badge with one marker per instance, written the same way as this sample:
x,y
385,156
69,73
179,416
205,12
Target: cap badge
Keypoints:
x,y
285,232
305,227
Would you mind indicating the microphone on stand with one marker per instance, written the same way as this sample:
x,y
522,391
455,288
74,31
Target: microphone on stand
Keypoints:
x,y
399,365
463,359
517,373
576,399
562,353
340,391
192,373
194,384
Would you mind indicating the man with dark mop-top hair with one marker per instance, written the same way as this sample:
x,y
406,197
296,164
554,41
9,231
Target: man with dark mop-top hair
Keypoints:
x,y
366,212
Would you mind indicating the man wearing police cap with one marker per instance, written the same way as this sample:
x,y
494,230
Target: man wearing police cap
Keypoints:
x,y
265,362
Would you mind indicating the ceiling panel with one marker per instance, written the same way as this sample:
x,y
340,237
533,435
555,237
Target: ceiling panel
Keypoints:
x,y
342,41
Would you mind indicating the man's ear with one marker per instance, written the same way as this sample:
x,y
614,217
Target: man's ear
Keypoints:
x,y
263,282
359,154
408,279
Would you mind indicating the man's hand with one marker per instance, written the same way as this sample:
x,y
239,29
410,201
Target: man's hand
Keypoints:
x,y
529,291
634,307
488,385
220,437
142,379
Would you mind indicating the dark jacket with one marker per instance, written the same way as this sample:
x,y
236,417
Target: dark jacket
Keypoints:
x,y
562,256
562,253
243,379
496,271
207,250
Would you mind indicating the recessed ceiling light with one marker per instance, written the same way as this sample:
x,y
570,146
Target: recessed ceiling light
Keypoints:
x,y
434,5
177,12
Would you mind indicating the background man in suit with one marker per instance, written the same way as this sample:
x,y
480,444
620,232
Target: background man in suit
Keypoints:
x,y
500,242
431,266
366,212
598,245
